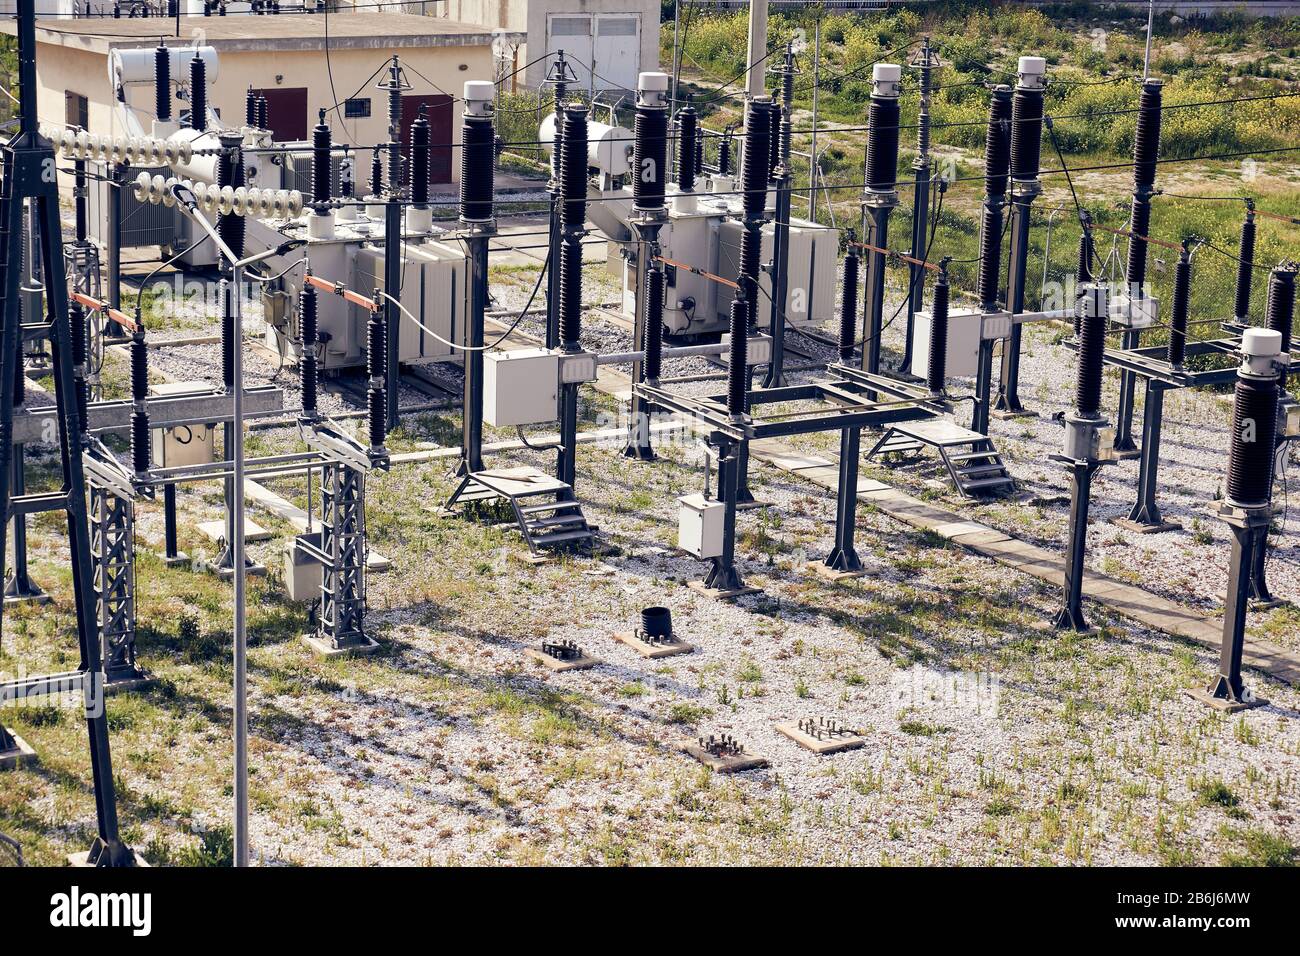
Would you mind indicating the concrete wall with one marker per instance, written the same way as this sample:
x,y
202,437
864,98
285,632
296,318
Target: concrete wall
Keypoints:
x,y
61,69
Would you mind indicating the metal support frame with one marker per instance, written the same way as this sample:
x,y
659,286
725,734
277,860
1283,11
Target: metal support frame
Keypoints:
x,y
1070,616
1023,194
471,440
1145,515
877,208
646,230
925,64
1249,528
26,160
844,557
723,575
18,585
112,549
343,553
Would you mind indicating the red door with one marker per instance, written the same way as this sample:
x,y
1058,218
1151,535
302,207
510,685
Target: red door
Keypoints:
x,y
437,110
286,110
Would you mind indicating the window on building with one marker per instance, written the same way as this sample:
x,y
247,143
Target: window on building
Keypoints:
x,y
571,26
357,108
76,109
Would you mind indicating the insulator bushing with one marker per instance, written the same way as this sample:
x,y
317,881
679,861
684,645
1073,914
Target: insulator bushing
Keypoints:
x,y
990,264
1083,269
230,172
321,146
140,457
263,113
724,156
477,159
250,108
376,347
738,350
1280,311
1092,351
573,166
162,79
649,156
849,305
377,430
1146,138
1177,349
139,368
755,156
699,152
198,93
997,143
376,173
937,369
1245,268
307,326
1026,133
1139,225
80,351
1253,437
687,130
882,143
420,139
654,323
570,292
774,138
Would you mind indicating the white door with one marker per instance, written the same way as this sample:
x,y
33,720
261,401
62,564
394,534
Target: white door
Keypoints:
x,y
618,51
571,33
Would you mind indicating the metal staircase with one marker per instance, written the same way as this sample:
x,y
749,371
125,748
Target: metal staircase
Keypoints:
x,y
548,515
976,466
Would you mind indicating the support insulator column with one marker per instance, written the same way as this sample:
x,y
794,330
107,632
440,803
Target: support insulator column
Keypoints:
x,y
879,199
198,93
1026,149
997,172
849,300
162,84
782,176
307,328
936,372
1245,266
926,64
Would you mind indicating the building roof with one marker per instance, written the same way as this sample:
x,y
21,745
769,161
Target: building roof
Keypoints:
x,y
295,31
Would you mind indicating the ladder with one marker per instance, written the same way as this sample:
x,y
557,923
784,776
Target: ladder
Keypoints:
x,y
975,465
548,515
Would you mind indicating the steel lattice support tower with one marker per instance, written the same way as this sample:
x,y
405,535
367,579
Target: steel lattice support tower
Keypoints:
x,y
112,551
27,162
343,542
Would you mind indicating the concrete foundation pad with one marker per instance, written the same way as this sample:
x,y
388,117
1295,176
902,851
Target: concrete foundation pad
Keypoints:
x,y
1003,415
181,559
1048,627
321,647
140,681
216,530
255,569
1268,605
830,574
752,505
699,587
581,663
652,651
1138,527
1220,704
40,597
828,745
377,563
20,755
737,764
1127,455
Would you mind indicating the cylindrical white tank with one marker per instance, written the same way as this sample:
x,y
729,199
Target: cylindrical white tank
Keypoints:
x,y
609,148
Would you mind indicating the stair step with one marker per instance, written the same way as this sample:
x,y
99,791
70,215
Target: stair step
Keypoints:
x,y
557,521
549,506
972,455
559,537
976,471
987,483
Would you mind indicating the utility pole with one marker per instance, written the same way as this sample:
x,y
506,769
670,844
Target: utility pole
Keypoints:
x,y
757,47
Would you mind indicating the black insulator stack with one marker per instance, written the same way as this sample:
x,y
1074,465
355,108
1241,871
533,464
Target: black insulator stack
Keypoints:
x,y
420,139
724,155
1092,351
754,158
773,138
699,152
230,172
882,142
139,393
376,174
1177,349
140,452
162,79
558,144
1083,270
198,93
250,107
477,157
687,131
263,113
307,325
654,323
997,143
80,354
571,292
1280,311
1253,438
937,369
228,344
738,349
377,367
1026,133
849,304
573,166
1146,152
321,146
650,156
1245,268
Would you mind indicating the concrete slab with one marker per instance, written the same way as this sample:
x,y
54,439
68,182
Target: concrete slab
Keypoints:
x,y
652,651
1224,706
216,530
20,755
321,647
718,594
821,745
726,764
1139,528
560,666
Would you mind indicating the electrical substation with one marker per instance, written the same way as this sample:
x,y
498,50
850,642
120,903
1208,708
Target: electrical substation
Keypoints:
x,y
343,303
